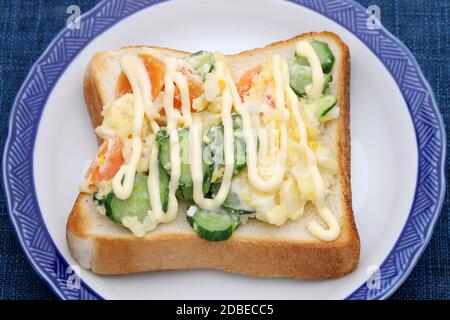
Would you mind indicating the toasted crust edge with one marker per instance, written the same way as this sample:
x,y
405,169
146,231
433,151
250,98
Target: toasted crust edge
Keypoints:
x,y
265,258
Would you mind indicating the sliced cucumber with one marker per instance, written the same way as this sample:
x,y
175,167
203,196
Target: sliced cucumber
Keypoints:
x,y
232,202
137,205
324,105
107,204
325,55
239,144
239,153
300,70
207,173
163,143
326,84
201,62
299,77
237,121
164,180
162,139
186,192
185,156
216,225
214,150
300,60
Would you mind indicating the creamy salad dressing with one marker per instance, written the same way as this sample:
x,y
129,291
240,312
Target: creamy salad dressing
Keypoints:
x,y
258,182
325,213
304,49
172,119
136,73
286,101
196,150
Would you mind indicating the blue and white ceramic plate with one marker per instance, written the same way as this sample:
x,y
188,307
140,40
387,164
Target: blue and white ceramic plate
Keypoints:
x,y
398,144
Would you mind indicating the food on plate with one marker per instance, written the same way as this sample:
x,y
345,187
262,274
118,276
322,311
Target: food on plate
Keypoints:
x,y
239,163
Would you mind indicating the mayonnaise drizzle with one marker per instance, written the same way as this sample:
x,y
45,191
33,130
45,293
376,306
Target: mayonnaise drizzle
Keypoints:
x,y
123,181
196,151
258,182
304,49
172,120
136,73
325,213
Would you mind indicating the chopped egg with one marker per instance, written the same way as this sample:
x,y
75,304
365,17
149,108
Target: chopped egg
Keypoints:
x,y
118,119
211,86
199,103
304,180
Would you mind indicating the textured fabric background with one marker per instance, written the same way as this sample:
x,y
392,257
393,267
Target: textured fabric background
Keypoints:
x,y
27,27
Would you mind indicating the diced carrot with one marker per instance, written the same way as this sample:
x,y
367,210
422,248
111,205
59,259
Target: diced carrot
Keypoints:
x,y
155,69
108,160
246,80
123,86
195,89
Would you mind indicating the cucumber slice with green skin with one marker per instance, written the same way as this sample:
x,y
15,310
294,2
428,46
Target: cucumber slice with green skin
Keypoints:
x,y
185,156
239,144
201,62
237,121
232,202
107,204
325,55
187,192
214,151
299,60
324,105
216,225
137,205
300,71
164,180
163,142
239,153
300,76
326,84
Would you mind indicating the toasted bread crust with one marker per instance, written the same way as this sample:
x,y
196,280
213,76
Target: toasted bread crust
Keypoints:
x,y
245,255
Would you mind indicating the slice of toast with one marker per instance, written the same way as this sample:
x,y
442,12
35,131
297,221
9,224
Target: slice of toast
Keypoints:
x,y
256,248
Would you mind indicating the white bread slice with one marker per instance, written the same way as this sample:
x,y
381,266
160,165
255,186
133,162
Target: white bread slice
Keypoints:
x,y
256,248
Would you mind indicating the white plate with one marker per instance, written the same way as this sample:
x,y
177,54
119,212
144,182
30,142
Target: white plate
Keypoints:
x,y
384,145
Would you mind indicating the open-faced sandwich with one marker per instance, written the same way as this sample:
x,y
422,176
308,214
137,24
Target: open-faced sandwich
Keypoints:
x,y
239,163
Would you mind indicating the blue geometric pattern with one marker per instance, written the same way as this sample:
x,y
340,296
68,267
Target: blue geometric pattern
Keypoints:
x,y
31,99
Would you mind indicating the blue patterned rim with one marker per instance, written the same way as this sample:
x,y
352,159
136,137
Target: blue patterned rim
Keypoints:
x,y
30,102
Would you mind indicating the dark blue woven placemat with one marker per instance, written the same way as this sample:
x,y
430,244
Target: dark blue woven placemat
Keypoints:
x,y
27,27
